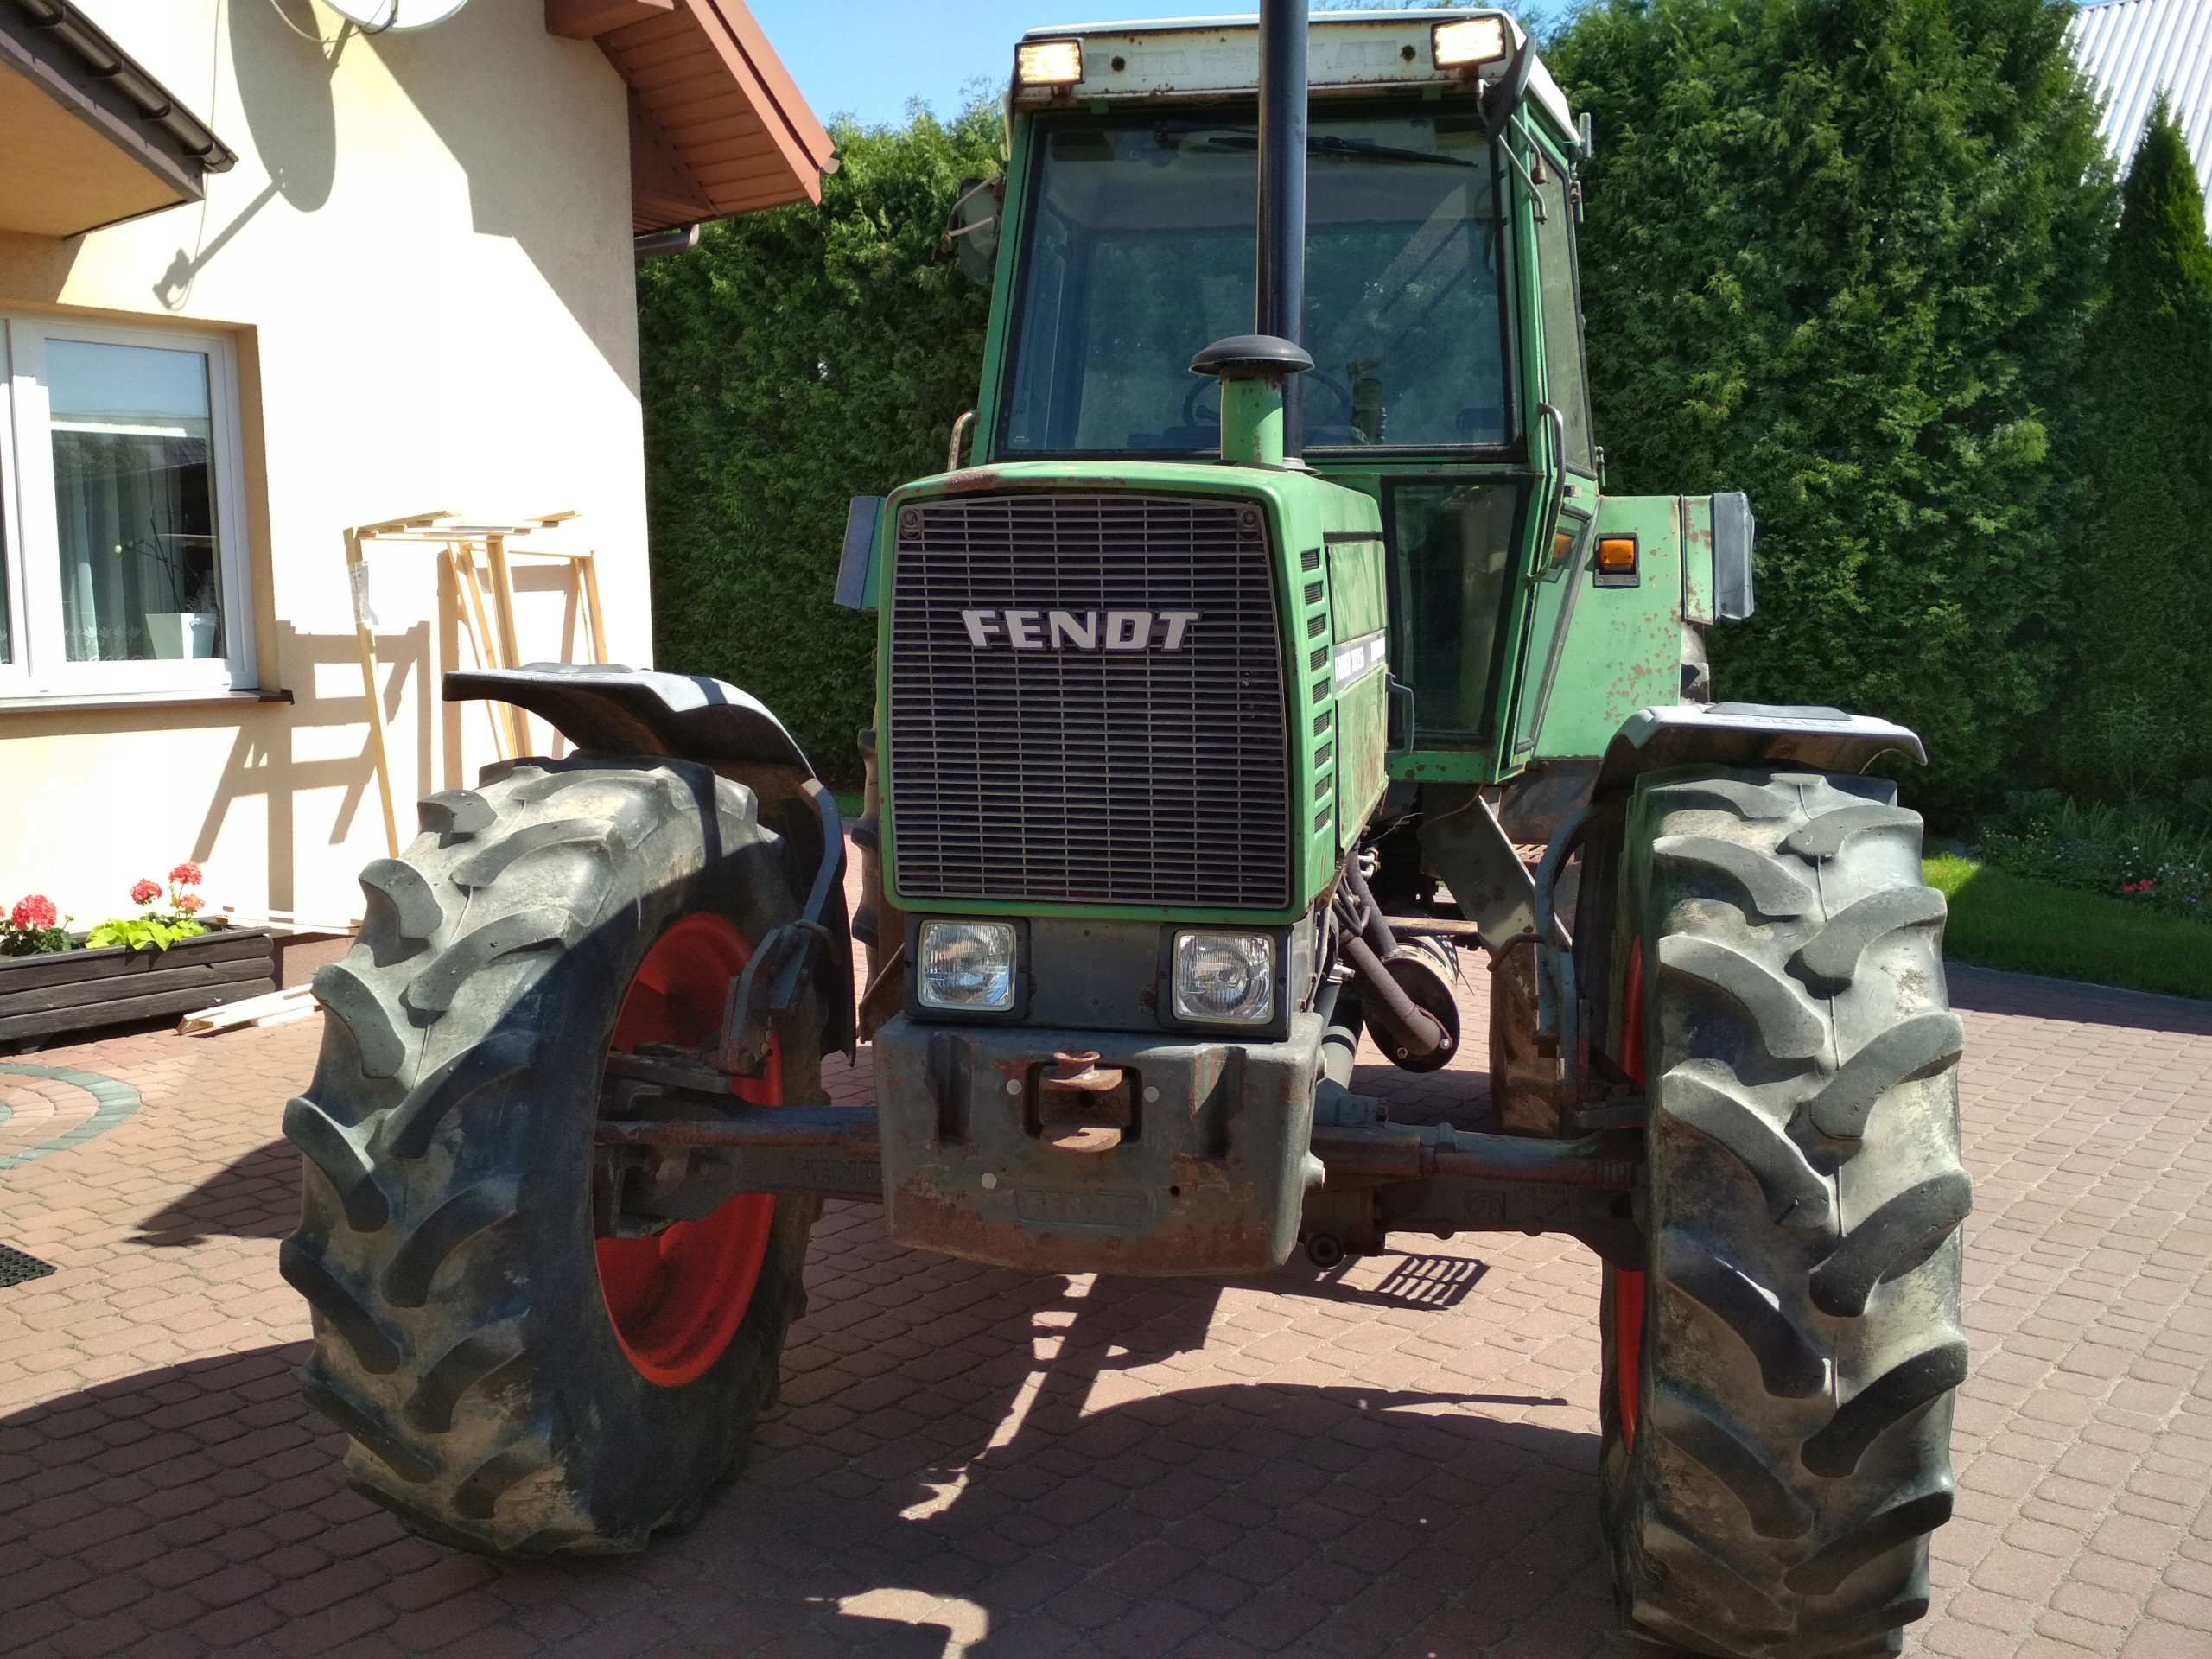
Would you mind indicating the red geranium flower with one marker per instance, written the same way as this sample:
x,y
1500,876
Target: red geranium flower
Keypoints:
x,y
190,903
146,892
186,876
34,912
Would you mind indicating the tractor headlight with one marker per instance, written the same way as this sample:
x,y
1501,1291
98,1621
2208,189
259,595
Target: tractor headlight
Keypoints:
x,y
1224,977
967,966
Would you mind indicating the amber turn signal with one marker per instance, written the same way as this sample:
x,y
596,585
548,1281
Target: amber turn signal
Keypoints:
x,y
1617,554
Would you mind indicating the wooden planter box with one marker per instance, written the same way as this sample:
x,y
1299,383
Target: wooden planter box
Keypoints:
x,y
75,990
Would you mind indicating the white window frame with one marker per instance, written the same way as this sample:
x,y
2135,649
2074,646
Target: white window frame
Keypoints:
x,y
31,551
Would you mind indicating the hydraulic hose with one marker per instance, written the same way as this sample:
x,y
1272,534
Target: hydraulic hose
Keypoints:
x,y
1414,1031
1372,928
1339,1043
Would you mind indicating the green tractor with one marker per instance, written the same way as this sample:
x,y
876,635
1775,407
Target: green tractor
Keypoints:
x,y
1278,606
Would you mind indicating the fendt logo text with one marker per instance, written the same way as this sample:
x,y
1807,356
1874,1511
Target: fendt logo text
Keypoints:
x,y
1079,630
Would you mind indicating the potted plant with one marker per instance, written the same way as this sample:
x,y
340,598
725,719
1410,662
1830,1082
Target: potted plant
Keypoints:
x,y
187,632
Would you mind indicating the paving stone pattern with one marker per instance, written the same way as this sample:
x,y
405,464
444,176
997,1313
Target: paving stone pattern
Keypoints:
x,y
1395,1458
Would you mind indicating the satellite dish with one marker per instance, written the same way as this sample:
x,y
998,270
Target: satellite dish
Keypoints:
x,y
378,16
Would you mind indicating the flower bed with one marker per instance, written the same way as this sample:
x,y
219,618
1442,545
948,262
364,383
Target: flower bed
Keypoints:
x,y
53,981
2144,856
69,991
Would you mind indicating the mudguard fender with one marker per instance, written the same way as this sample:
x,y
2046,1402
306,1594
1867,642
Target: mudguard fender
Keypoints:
x,y
619,710
610,708
1748,734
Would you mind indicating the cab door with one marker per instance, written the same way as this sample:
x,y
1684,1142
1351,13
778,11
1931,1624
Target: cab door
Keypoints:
x,y
1560,448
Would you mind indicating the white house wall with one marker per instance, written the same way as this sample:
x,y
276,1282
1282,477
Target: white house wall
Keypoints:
x,y
424,258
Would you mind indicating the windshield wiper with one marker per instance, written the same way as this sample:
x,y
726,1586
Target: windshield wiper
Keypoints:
x,y
1331,145
1168,135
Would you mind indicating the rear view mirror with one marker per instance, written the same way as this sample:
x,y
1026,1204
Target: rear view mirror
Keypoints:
x,y
1734,530
973,227
856,567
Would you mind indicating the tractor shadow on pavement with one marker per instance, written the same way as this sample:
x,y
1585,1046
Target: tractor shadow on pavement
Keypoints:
x,y
998,1465
256,1196
964,1464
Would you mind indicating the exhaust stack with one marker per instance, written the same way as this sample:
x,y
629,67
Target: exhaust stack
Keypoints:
x,y
1281,287
1260,410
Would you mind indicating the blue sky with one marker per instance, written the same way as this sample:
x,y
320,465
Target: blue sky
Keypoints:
x,y
867,57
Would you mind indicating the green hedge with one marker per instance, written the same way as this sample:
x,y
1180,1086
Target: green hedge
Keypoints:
x,y
1839,254
797,358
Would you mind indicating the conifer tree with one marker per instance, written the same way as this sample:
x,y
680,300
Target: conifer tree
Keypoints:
x,y
1839,254
2144,589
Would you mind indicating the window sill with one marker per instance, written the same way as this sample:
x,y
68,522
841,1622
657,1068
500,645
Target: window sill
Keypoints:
x,y
134,700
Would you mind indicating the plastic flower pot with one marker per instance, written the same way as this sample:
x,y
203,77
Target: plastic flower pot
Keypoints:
x,y
181,634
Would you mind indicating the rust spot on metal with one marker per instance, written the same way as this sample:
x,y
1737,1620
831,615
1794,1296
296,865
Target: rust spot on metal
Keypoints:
x,y
1083,1137
975,478
1172,1158
1080,1070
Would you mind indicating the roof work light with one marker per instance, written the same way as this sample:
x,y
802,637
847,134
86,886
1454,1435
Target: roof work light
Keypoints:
x,y
1048,63
1466,41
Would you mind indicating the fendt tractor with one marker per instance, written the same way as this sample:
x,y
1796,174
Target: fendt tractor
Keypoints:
x,y
1276,610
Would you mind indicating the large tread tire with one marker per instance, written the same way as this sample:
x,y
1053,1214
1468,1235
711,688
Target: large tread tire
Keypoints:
x,y
445,1243
1800,1339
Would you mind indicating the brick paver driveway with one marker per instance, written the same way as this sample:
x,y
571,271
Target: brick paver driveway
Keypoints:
x,y
1394,1457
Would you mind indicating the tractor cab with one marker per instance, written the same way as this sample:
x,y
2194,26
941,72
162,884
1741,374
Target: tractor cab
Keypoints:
x,y
1438,306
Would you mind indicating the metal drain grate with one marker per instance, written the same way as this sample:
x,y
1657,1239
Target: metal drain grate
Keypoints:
x,y
17,1268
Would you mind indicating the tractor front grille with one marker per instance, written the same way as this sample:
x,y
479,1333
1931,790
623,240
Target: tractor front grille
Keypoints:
x,y
1072,772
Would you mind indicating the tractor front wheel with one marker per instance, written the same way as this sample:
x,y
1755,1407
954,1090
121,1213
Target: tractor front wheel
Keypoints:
x,y
1776,1402
516,1379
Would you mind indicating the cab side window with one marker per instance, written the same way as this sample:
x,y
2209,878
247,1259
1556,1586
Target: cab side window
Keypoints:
x,y
1561,294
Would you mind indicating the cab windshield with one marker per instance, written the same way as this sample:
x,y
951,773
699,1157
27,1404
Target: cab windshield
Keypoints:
x,y
1139,250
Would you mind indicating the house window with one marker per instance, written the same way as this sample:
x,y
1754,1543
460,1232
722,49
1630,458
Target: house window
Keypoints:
x,y
121,553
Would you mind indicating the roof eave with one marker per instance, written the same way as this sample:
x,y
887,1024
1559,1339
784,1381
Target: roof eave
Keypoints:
x,y
57,49
718,128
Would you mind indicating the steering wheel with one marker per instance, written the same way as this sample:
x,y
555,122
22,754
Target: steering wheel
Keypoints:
x,y
1342,393
1190,403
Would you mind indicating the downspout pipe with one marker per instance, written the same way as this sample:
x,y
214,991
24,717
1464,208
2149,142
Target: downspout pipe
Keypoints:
x,y
659,245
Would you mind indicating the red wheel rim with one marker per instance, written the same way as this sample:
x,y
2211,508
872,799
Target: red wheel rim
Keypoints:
x,y
1632,1014
677,1297
1628,1287
1628,1348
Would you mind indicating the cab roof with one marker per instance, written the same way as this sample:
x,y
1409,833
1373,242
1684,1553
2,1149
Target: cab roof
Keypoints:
x,y
1346,52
